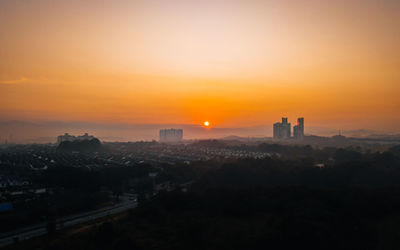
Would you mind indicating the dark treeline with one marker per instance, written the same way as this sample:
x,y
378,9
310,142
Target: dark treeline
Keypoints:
x,y
351,169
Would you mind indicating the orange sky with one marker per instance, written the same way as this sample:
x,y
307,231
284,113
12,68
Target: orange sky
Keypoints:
x,y
234,63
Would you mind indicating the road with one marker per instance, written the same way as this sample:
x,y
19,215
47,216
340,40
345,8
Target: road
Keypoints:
x,y
40,229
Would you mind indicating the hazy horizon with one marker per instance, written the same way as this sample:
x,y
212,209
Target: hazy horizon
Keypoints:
x,y
45,132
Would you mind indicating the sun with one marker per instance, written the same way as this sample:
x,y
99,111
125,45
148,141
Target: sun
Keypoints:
x,y
206,123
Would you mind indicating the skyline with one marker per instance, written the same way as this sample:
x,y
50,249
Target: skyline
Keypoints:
x,y
236,64
47,132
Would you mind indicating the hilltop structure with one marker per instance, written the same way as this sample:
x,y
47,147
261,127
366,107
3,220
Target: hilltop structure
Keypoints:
x,y
68,137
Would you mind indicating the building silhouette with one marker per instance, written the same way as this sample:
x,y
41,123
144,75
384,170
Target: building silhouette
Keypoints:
x,y
171,135
282,129
298,130
68,137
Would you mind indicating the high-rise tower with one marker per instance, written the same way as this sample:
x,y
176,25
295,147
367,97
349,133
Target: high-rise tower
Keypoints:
x,y
171,135
298,130
282,129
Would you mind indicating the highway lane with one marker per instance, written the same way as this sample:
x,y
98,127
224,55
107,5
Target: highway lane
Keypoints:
x,y
65,222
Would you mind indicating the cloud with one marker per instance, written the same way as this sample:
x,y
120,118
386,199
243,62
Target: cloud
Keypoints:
x,y
16,81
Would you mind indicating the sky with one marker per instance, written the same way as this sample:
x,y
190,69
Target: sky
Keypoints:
x,y
233,63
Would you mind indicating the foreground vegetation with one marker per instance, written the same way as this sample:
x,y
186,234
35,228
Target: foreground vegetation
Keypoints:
x,y
272,203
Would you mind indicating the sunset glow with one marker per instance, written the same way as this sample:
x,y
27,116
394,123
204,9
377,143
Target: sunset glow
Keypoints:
x,y
240,63
206,123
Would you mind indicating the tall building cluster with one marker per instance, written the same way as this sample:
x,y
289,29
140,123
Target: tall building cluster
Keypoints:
x,y
282,130
171,135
